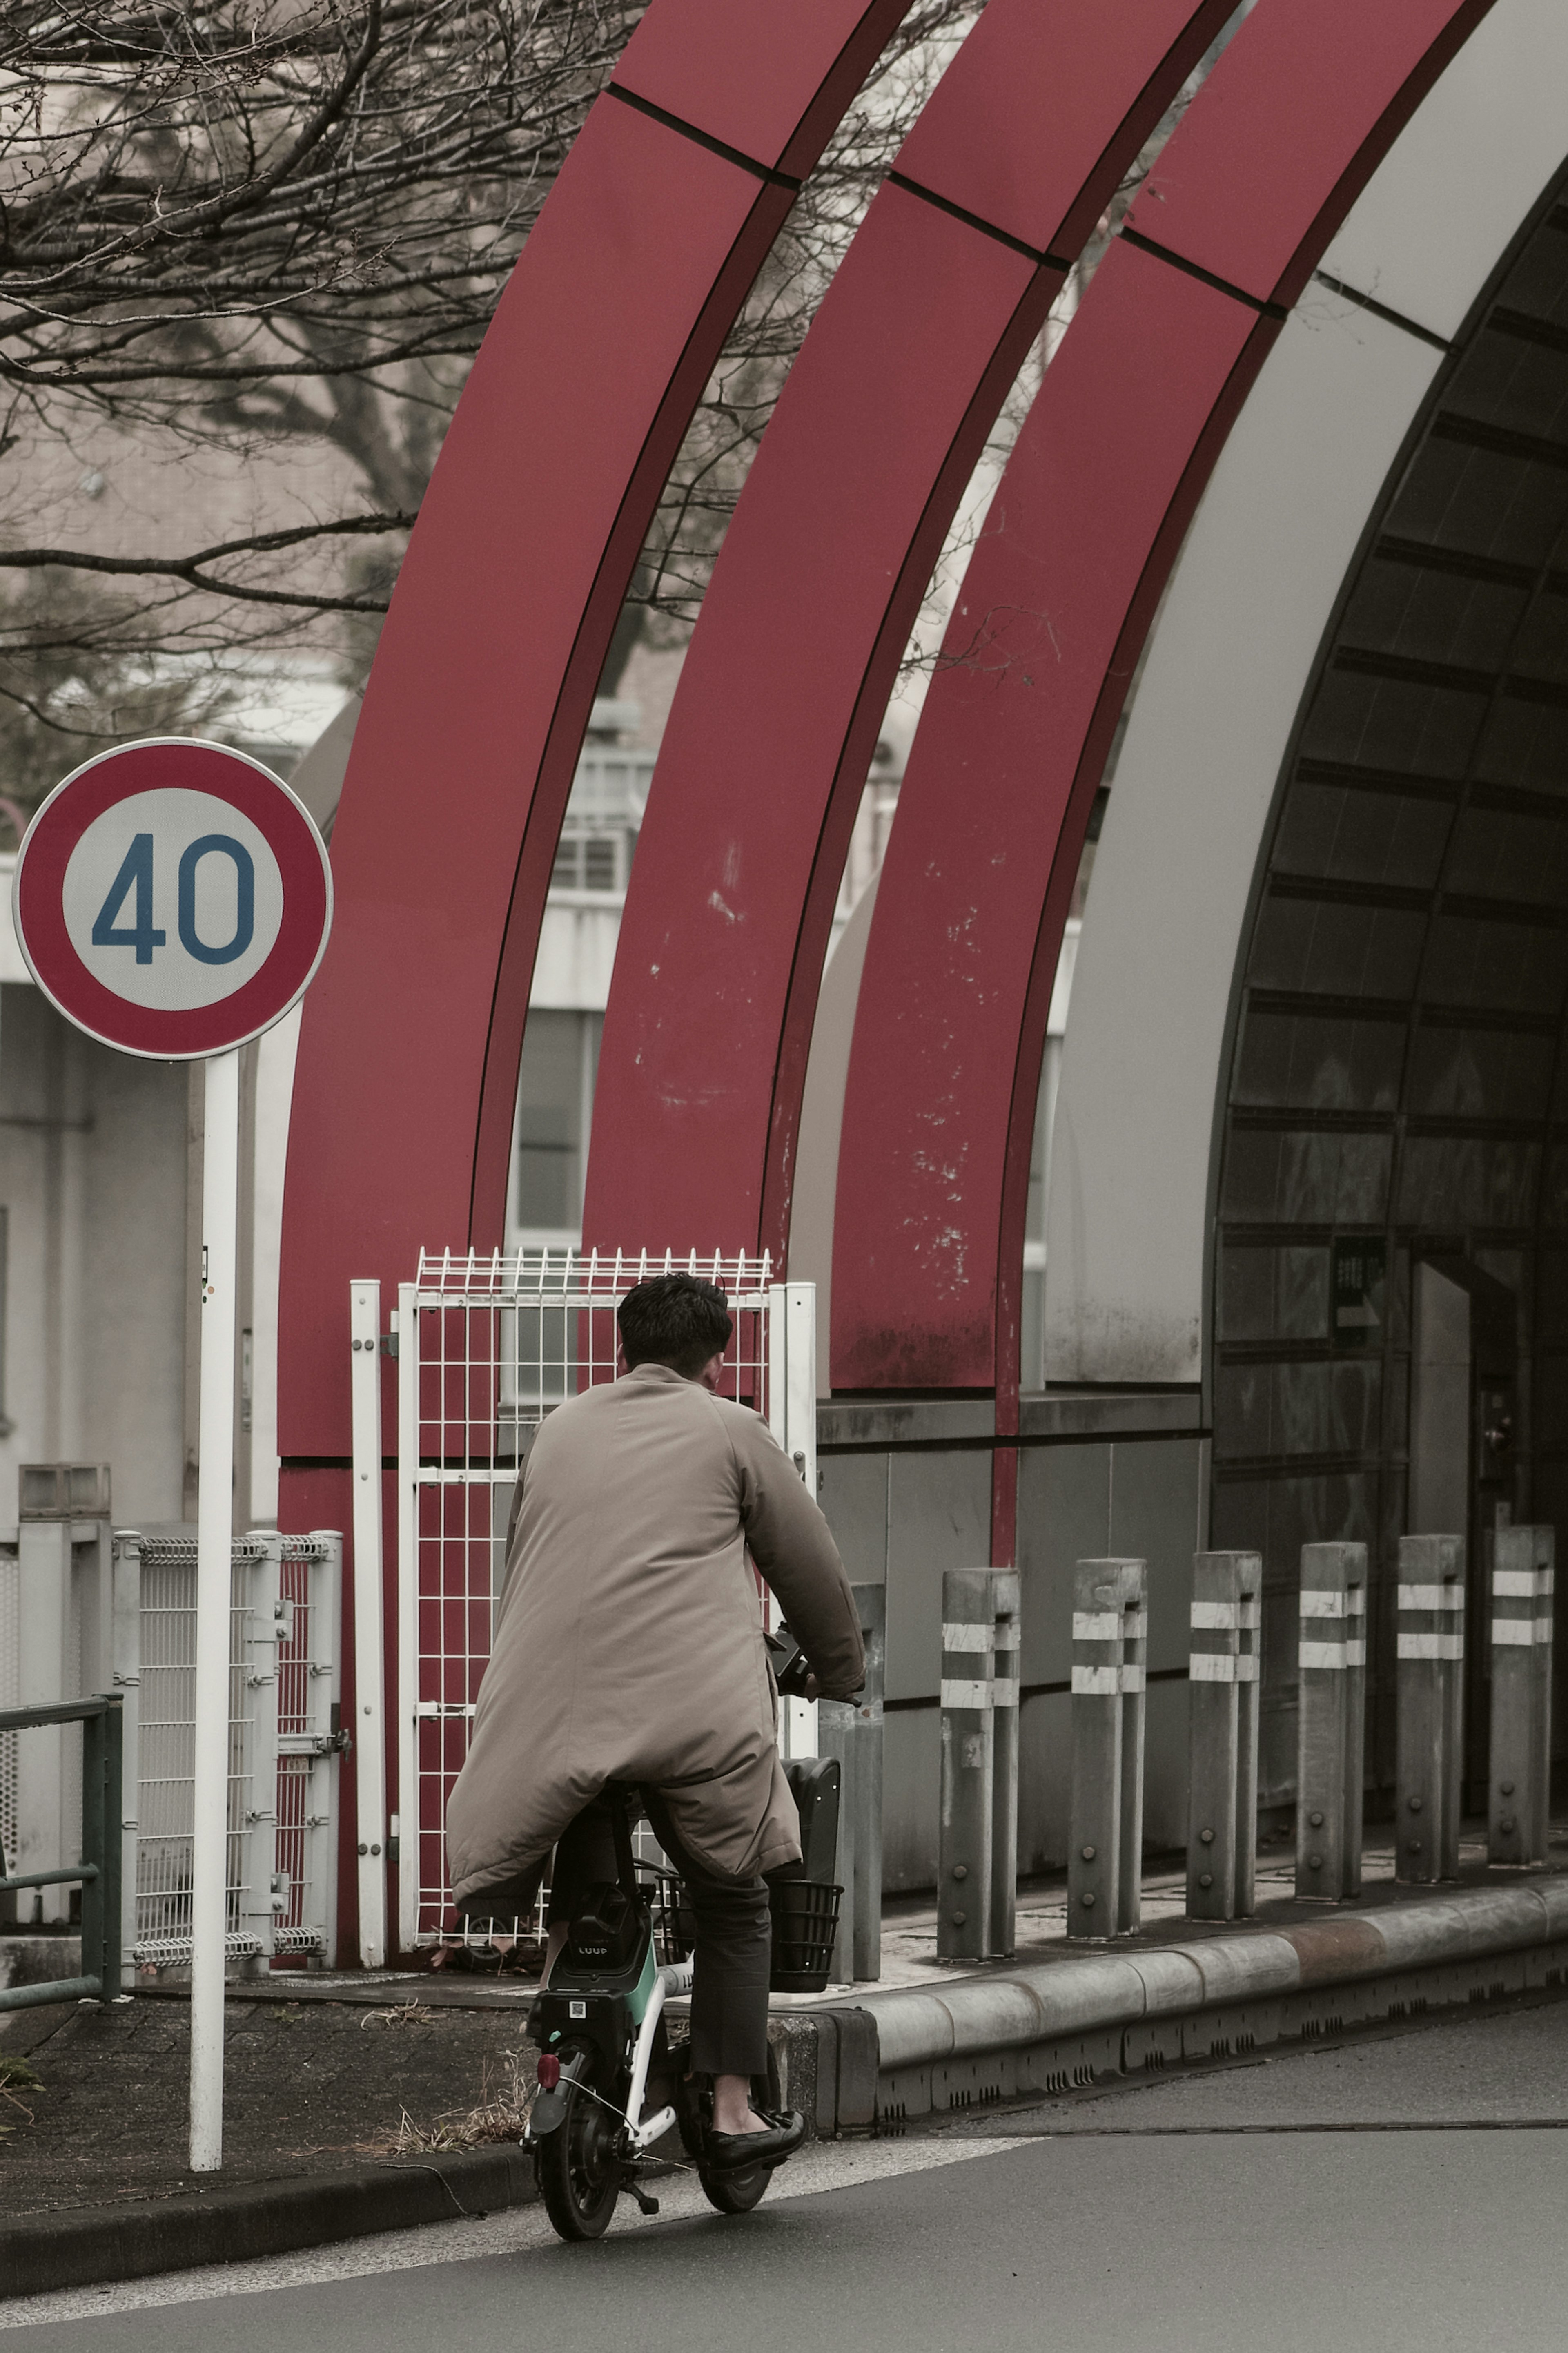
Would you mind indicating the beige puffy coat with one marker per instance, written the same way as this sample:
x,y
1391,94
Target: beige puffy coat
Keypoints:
x,y
629,1643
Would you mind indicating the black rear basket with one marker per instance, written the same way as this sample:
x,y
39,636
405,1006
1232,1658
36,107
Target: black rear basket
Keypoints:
x,y
806,1924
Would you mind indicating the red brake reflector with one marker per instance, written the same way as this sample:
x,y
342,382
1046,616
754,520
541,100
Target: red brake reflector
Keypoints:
x,y
549,2072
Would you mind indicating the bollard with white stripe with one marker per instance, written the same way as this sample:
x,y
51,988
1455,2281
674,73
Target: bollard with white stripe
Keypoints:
x,y
1331,1736
1523,1576
851,1730
1109,1643
1222,1734
1431,1701
1005,1597
968,1766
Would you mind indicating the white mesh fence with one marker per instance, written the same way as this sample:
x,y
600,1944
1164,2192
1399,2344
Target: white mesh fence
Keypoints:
x,y
486,1347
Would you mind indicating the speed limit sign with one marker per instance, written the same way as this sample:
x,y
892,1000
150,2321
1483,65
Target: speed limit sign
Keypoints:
x,y
173,899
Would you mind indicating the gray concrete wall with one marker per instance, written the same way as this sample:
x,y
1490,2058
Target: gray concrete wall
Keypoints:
x,y
906,1489
93,1179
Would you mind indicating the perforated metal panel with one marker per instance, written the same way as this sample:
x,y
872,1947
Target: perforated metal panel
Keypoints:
x,y
283,1613
166,1762
10,1690
304,1859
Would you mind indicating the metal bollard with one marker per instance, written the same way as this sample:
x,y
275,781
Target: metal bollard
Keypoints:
x,y
851,1730
1430,1743
1005,1604
1523,1574
968,1766
1222,1732
1332,1726
1109,1643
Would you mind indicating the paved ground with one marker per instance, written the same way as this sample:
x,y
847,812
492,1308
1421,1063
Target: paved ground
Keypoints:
x,y
1175,2215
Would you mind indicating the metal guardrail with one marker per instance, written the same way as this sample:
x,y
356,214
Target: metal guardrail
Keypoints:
x,y
98,1873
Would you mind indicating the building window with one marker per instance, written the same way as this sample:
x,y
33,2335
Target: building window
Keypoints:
x,y
596,859
554,1108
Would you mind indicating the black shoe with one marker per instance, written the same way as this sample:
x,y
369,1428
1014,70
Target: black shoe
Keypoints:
x,y
738,2152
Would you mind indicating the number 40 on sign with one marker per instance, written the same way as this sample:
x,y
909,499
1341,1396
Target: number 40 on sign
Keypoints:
x,y
173,899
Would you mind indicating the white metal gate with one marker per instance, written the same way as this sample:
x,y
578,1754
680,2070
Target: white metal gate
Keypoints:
x,y
486,1348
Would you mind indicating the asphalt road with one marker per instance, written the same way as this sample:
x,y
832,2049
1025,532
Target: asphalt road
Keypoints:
x,y
1214,2210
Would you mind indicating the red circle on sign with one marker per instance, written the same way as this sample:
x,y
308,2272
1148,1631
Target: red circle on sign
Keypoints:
x,y
253,793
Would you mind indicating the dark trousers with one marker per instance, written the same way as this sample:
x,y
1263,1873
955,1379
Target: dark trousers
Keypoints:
x,y
733,1948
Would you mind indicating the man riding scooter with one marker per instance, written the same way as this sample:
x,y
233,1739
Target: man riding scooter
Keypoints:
x,y
629,1649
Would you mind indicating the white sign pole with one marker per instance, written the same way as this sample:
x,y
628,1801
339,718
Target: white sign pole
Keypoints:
x,y
172,899
209,1855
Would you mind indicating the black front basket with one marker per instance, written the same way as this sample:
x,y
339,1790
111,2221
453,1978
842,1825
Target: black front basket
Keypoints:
x,y
806,1924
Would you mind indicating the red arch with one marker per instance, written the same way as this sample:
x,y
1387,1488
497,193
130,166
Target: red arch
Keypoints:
x,y
768,744
465,750
938,1114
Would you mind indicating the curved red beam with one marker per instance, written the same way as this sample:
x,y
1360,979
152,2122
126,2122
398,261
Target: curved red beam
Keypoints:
x,y
464,753
843,515
940,1109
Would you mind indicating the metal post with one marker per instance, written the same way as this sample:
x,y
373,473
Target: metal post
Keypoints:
x,y
851,1730
125,1674
402,1830
1006,1600
109,1862
45,1675
370,1668
1223,1734
1545,1620
209,1909
1523,1582
968,1761
1110,1628
1129,1843
1431,1707
792,1416
1332,1723
98,1927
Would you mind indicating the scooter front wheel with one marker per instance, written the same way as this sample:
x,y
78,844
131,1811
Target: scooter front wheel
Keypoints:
x,y
577,2166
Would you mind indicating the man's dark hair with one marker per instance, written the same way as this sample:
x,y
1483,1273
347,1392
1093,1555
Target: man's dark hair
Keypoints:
x,y
676,1320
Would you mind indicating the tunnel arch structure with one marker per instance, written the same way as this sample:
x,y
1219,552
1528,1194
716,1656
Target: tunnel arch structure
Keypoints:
x,y
1402,672
1290,400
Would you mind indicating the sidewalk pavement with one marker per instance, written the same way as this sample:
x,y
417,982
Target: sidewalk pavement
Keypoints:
x,y
349,2096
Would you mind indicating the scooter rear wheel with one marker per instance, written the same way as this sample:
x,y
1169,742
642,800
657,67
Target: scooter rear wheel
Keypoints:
x,y
577,2166
730,2193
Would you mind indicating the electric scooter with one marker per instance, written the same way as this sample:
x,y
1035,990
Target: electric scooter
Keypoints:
x,y
600,2027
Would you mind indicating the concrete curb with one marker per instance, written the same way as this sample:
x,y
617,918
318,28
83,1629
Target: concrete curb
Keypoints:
x,y
238,2223
1055,2025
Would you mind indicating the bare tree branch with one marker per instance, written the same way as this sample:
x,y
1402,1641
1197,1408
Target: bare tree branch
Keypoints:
x,y
269,226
